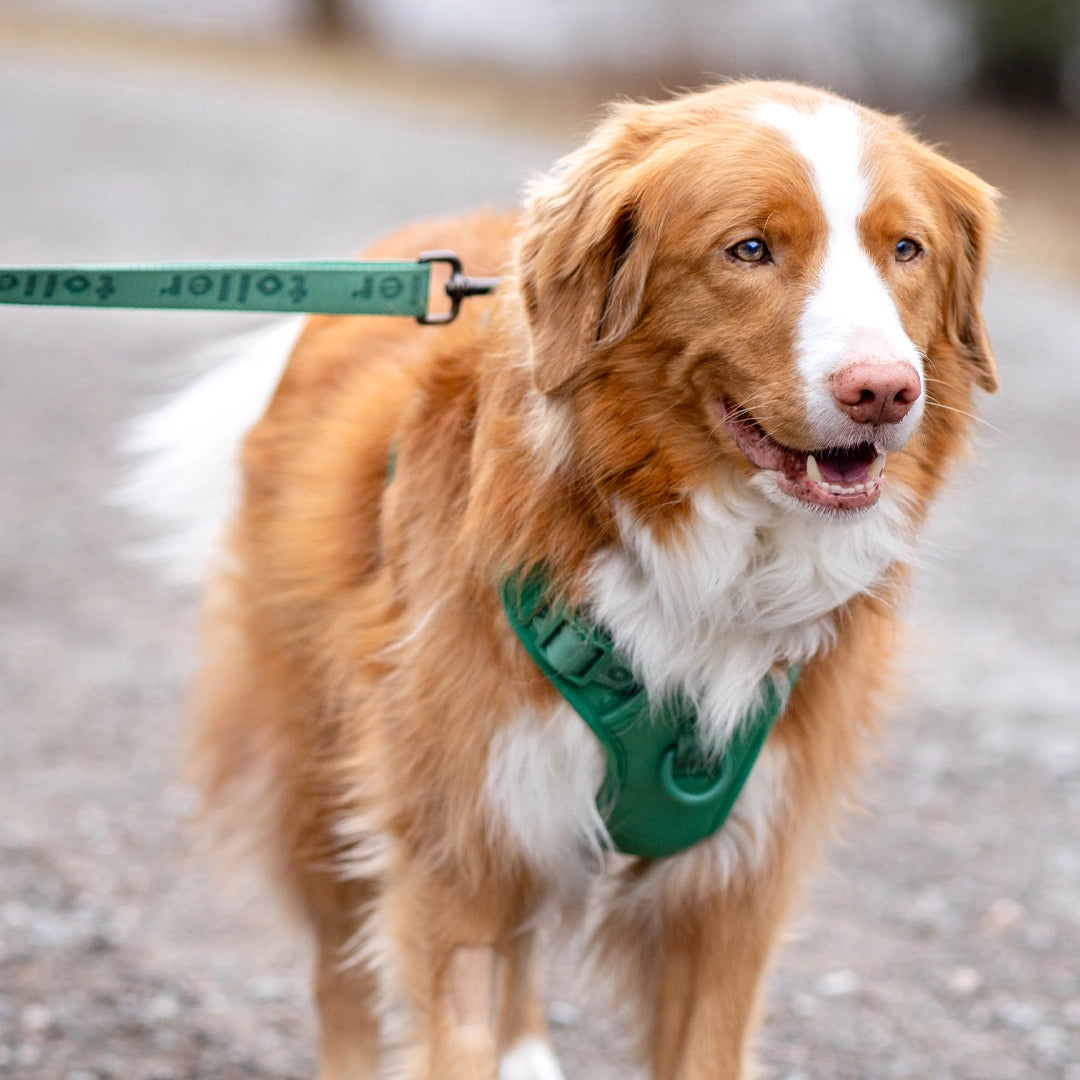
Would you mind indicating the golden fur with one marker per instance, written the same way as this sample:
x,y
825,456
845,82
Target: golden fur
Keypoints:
x,y
358,665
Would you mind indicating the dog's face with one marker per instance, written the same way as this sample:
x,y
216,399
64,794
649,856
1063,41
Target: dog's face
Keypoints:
x,y
762,275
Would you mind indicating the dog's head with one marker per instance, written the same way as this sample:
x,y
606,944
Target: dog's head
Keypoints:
x,y
759,273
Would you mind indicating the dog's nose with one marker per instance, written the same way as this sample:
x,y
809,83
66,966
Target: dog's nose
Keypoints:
x,y
877,393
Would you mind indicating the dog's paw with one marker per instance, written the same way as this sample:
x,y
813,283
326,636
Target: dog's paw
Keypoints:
x,y
530,1058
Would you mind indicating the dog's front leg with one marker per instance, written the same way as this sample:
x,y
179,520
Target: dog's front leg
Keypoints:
x,y
690,941
525,1051
463,1037
708,966
462,965
346,989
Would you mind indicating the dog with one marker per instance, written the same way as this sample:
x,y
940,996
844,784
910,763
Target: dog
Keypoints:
x,y
731,357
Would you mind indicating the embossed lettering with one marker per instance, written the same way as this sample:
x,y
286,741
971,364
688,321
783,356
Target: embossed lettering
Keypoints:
x,y
269,284
367,288
297,288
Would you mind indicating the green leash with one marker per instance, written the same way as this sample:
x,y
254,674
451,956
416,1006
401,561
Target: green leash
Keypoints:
x,y
336,287
661,794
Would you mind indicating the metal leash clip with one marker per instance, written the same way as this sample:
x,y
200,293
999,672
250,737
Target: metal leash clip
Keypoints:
x,y
458,287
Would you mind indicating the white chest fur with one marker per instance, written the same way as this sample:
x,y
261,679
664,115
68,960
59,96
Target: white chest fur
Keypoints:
x,y
747,587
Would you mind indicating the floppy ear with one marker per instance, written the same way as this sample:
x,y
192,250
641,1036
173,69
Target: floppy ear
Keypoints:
x,y
583,256
972,205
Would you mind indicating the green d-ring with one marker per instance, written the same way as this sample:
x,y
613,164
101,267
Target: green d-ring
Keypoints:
x,y
680,794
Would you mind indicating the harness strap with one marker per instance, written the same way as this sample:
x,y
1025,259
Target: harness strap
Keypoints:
x,y
662,794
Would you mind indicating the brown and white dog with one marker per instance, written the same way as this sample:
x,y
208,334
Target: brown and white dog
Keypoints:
x,y
731,358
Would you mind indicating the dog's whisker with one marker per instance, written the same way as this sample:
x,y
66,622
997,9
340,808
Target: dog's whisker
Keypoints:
x,y
974,417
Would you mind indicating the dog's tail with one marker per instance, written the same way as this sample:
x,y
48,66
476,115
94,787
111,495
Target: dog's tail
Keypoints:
x,y
184,474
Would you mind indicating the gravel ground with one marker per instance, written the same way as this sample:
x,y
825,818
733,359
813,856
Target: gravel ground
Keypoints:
x,y
941,939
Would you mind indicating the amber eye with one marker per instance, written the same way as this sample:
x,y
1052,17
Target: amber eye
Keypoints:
x,y
751,250
907,249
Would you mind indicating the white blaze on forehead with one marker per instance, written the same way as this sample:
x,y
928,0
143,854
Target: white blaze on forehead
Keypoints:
x,y
850,315
829,140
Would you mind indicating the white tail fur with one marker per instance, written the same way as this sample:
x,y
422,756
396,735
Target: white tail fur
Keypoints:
x,y
185,475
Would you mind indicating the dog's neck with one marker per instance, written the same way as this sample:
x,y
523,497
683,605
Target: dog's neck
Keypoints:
x,y
742,588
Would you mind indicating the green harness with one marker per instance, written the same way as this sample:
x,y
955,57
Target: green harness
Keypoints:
x,y
662,794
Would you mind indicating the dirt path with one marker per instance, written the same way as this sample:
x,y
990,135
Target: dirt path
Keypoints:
x,y
940,939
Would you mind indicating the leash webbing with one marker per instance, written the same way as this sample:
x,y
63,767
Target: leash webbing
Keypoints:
x,y
334,287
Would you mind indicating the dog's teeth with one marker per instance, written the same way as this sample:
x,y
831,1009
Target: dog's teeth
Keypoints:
x,y
812,469
877,467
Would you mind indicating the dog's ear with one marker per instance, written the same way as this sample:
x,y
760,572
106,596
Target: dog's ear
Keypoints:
x,y
584,255
972,208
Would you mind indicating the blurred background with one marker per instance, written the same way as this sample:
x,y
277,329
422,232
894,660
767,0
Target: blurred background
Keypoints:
x,y
941,936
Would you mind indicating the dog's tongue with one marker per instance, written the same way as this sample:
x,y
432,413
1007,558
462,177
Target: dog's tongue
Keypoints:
x,y
835,478
847,466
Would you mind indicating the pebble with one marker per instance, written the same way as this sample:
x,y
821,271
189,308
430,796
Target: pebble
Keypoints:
x,y
167,1039
965,981
1000,915
267,988
838,984
1065,862
161,1007
35,1018
1052,1044
1022,1015
28,1055
16,914
563,1014
1041,937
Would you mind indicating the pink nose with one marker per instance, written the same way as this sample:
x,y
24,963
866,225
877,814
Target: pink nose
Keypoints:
x,y
881,393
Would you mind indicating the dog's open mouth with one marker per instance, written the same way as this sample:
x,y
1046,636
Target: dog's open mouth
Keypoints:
x,y
834,478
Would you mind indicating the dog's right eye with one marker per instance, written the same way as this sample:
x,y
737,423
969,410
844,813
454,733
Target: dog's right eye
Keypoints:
x,y
752,250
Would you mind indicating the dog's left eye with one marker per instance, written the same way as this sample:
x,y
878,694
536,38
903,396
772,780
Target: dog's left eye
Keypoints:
x,y
751,250
907,249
